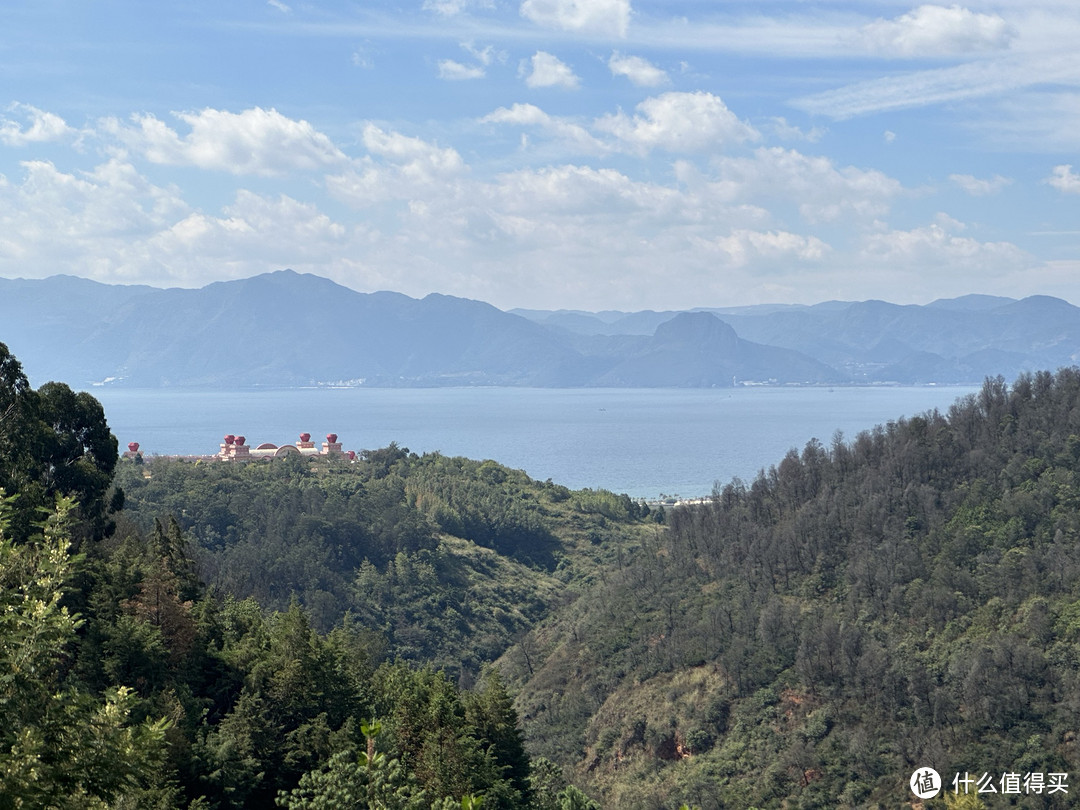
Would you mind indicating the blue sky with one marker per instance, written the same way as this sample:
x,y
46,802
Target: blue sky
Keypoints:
x,y
590,154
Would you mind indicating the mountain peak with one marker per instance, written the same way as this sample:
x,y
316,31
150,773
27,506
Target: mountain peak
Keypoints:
x,y
971,303
698,327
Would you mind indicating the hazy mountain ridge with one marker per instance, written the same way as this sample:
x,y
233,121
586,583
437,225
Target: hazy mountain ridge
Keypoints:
x,y
954,340
286,329
698,350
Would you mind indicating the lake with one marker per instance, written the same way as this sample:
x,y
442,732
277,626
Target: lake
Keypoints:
x,y
644,442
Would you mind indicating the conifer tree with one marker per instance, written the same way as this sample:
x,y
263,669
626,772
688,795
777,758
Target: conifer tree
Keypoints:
x,y
59,746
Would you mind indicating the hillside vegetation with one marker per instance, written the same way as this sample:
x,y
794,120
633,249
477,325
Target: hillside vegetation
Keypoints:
x,y
445,560
422,631
808,639
359,677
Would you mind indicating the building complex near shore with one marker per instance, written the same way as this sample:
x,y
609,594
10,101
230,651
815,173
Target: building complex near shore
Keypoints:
x,y
235,448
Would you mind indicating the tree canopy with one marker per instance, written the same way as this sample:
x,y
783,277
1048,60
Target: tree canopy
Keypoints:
x,y
53,441
858,610
60,745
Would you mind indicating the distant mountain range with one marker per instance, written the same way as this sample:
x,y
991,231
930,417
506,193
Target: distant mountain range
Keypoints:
x,y
285,329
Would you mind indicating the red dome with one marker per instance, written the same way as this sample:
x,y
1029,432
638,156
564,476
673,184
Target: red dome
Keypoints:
x,y
229,439
240,439
133,447
352,455
332,438
305,437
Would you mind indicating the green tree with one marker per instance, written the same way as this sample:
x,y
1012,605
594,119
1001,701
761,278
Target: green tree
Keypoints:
x,y
427,728
78,453
490,711
574,799
546,782
349,780
297,692
59,746
53,441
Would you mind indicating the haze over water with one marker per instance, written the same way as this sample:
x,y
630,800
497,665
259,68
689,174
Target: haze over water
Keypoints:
x,y
644,442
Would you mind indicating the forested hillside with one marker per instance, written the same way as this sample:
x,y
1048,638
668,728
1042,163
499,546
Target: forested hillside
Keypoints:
x,y
361,681
445,560
808,639
319,633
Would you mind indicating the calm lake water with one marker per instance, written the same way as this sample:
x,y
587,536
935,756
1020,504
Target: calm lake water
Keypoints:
x,y
644,442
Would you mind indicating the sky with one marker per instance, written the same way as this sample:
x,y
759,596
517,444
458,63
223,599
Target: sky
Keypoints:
x,y
578,154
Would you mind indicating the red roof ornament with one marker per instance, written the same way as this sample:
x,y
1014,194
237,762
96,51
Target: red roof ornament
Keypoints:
x,y
229,438
305,437
332,438
240,440
133,447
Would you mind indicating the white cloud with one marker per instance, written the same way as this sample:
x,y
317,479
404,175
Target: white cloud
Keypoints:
x,y
416,154
674,122
266,215
255,141
639,71
407,168
485,55
112,200
743,247
789,132
549,71
819,190
593,236
938,246
575,232
575,190
604,17
284,9
253,234
932,30
86,223
111,224
736,223
572,135
455,71
980,188
523,114
597,236
678,122
253,231
1063,179
41,126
